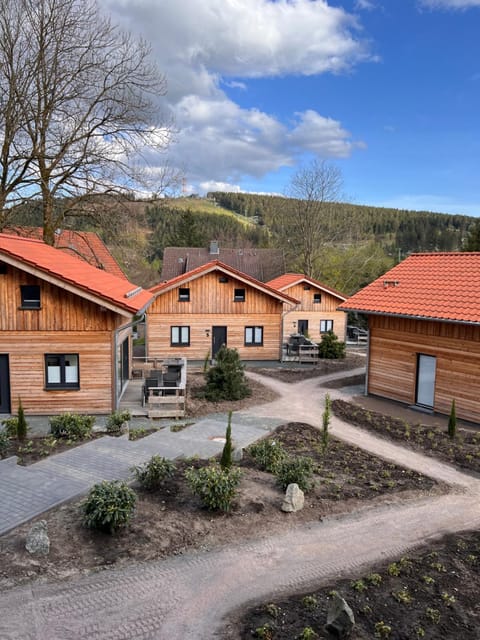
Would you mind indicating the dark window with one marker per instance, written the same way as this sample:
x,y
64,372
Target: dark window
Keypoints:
x,y
3,268
326,325
223,279
30,296
239,295
62,371
253,336
317,298
184,295
180,336
306,287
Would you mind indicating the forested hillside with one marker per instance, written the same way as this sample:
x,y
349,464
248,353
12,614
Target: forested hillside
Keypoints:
x,y
358,243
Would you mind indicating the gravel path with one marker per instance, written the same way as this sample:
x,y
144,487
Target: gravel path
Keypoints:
x,y
187,597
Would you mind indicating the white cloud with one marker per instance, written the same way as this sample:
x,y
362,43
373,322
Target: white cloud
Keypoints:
x,y
219,186
449,4
206,48
365,5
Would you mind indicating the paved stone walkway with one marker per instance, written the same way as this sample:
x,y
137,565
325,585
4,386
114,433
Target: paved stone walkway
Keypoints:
x,y
26,492
187,597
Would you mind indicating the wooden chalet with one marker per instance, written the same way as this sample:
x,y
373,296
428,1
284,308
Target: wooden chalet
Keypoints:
x,y
316,312
424,322
65,330
261,264
195,313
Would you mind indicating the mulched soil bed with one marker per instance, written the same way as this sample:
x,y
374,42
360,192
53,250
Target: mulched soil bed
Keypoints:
x,y
462,451
431,594
296,373
171,520
35,449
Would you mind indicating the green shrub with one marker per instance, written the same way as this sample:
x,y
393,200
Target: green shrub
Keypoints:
x,y
22,426
326,422
215,486
4,443
452,422
226,460
268,454
72,426
116,420
151,474
330,347
108,506
226,379
10,426
295,469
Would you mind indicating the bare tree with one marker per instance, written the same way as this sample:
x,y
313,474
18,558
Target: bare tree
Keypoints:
x,y
88,107
308,222
16,170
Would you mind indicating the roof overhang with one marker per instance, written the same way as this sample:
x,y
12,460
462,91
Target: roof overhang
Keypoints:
x,y
411,317
67,286
229,271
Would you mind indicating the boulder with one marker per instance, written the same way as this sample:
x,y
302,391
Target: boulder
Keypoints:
x,y
340,618
37,541
237,454
294,499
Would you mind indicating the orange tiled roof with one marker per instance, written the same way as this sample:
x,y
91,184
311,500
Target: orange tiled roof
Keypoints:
x,y
289,279
67,268
83,244
435,286
224,268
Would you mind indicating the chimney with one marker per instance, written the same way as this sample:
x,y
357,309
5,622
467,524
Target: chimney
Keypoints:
x,y
214,248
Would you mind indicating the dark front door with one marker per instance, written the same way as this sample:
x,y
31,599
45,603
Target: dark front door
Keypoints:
x,y
303,327
4,385
219,337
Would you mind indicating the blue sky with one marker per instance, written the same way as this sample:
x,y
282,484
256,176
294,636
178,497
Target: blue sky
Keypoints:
x,y
389,90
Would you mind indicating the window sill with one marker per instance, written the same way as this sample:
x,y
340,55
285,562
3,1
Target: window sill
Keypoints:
x,y
29,308
62,387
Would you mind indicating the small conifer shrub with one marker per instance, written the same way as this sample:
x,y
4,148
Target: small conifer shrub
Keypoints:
x,y
330,347
226,460
452,422
226,379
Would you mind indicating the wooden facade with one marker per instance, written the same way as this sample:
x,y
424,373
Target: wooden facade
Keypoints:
x,y
316,305
215,308
63,324
396,344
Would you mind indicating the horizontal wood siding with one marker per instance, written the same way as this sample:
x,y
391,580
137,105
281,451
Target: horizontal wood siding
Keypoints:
x,y
314,318
394,346
158,334
26,351
326,309
60,310
208,295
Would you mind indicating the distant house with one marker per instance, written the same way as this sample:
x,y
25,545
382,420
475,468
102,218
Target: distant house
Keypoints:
x,y
86,245
65,334
316,312
424,322
261,264
196,312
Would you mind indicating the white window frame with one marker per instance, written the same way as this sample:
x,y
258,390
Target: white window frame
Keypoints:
x,y
326,326
179,336
254,336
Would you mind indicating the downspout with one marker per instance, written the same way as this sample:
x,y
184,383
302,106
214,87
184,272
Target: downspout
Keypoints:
x,y
116,333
